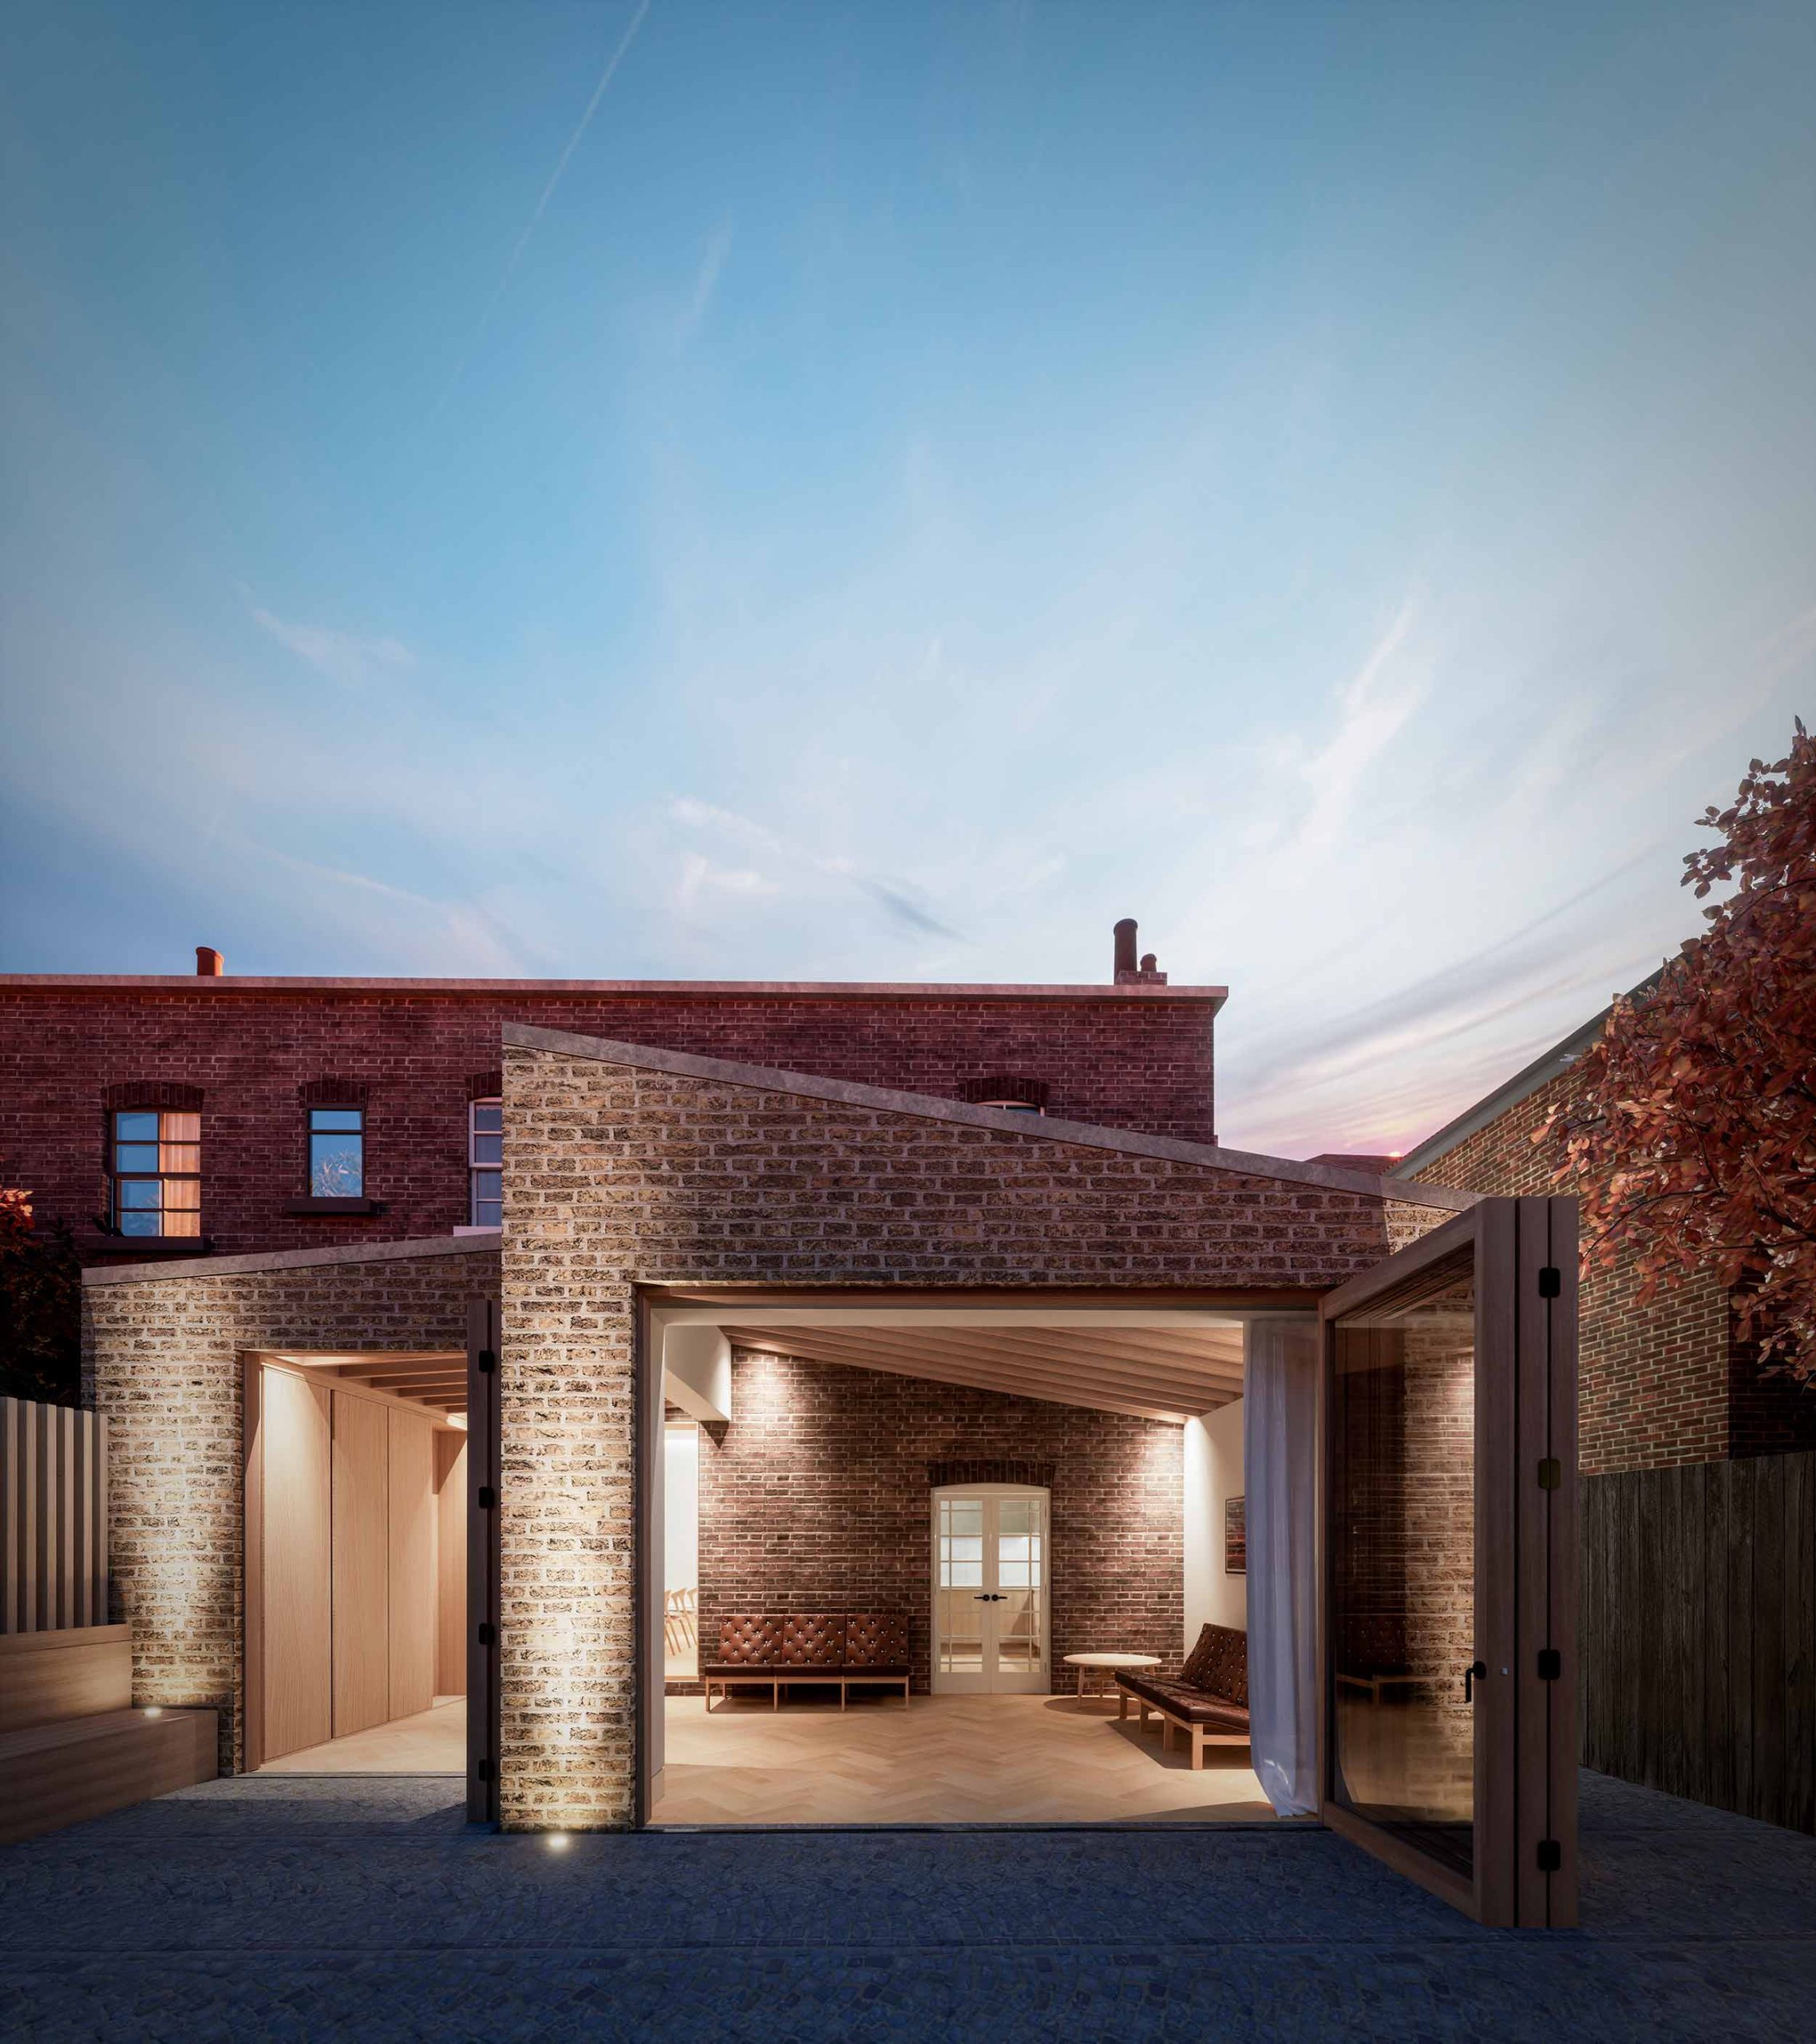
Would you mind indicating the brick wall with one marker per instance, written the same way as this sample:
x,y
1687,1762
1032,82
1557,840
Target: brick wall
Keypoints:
x,y
1653,1380
1138,1059
161,1360
618,1175
815,1497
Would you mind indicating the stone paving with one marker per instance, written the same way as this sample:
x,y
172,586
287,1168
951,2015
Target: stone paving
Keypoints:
x,y
291,1907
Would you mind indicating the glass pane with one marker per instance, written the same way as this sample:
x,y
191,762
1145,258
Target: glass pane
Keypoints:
x,y
140,1224
1019,1515
488,1214
487,1117
337,1166
135,1156
184,1157
139,1194
1018,1636
180,1128
336,1121
959,1620
182,1224
182,1195
135,1127
1403,1562
489,1149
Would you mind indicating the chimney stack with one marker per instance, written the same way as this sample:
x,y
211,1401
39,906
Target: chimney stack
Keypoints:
x,y
1127,972
1125,966
209,963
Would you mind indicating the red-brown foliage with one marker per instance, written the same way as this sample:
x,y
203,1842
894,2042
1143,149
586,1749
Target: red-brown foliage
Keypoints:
x,y
1692,1131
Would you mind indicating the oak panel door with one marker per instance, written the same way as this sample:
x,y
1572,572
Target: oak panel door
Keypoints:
x,y
361,1563
296,1589
450,1562
411,1587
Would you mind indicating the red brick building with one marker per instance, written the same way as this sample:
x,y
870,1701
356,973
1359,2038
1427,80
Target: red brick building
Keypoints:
x,y
254,1114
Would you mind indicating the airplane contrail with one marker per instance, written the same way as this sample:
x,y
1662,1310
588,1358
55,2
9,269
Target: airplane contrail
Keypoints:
x,y
573,143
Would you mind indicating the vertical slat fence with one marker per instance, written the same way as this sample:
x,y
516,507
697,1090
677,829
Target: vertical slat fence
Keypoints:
x,y
52,1517
1698,1632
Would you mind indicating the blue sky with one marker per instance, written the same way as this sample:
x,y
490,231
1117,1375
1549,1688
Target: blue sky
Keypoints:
x,y
907,487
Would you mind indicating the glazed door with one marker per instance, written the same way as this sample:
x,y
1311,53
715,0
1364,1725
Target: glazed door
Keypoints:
x,y
989,1590
1448,1561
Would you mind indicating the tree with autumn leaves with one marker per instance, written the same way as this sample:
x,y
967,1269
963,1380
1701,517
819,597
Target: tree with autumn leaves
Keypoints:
x,y
1690,1131
41,1292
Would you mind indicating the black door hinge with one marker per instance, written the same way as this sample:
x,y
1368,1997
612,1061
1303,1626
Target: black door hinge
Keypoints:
x,y
488,1497
489,1635
487,1362
483,1769
1551,1474
1550,1855
1550,1664
1550,1283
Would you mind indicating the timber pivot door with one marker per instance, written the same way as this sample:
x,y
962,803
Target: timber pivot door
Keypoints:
x,y
1447,1646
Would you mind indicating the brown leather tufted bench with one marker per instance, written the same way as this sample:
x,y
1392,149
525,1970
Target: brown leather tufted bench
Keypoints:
x,y
853,1650
1208,1700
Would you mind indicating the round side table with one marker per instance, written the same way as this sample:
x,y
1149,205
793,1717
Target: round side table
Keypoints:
x,y
1109,1663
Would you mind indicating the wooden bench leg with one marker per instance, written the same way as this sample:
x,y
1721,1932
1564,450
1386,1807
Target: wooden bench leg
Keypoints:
x,y
1122,1703
1197,1745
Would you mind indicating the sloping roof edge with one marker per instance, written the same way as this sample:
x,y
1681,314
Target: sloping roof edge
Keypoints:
x,y
1044,1128
1523,1085
287,1259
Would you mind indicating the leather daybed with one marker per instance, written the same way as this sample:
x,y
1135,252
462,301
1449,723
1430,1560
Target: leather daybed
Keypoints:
x,y
1208,1700
855,1650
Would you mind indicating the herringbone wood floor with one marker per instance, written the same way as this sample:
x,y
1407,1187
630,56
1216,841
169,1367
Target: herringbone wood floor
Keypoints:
x,y
944,1759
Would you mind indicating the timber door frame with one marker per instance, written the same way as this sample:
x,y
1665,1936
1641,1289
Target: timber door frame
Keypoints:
x,y
483,1654
1524,1850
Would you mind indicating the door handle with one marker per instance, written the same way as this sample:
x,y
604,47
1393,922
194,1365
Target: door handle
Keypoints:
x,y
989,1596
1472,1675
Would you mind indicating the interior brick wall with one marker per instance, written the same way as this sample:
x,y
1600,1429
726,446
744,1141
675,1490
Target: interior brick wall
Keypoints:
x,y
815,1497
1138,1059
161,1359
617,1176
1653,1380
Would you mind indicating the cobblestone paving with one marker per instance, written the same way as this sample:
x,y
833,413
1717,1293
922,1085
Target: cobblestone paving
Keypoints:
x,y
276,1908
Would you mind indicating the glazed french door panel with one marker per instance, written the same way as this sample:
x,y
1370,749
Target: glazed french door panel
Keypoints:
x,y
1447,1642
990,1591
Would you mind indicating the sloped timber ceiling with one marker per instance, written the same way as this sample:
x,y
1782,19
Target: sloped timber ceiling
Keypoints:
x,y
434,1377
1172,1374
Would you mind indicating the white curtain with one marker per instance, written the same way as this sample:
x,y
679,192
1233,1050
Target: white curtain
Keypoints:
x,y
1279,1404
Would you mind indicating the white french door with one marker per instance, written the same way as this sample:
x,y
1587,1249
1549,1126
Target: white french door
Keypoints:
x,y
990,1566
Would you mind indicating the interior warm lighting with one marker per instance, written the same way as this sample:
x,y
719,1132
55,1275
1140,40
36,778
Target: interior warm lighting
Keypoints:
x,y
458,1419
154,1710
557,1841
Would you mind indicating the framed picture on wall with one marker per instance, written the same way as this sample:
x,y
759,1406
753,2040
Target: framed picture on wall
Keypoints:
x,y
1235,1538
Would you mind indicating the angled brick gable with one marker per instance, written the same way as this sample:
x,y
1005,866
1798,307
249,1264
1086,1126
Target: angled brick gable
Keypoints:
x,y
626,1167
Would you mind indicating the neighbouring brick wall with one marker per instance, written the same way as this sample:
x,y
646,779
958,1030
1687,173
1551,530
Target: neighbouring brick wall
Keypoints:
x,y
815,1497
1138,1060
161,1360
1655,1379
617,1176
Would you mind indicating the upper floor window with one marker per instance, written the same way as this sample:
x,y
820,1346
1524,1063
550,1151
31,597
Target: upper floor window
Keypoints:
x,y
485,1158
336,1153
155,1162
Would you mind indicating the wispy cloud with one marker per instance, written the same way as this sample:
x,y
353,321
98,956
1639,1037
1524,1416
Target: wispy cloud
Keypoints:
x,y
905,912
340,656
541,206
701,880
705,283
